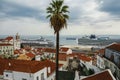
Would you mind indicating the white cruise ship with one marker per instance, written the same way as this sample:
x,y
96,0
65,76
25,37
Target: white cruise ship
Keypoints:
x,y
41,42
93,40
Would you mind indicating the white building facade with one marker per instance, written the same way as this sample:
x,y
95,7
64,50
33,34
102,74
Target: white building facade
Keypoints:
x,y
112,59
16,42
15,75
100,62
6,49
27,70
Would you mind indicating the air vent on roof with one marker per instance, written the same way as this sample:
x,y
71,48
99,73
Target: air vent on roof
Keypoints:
x,y
9,64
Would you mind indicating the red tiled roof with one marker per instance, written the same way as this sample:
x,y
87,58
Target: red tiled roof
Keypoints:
x,y
20,65
38,53
31,55
102,52
114,47
64,49
51,65
26,66
5,45
105,75
85,58
17,52
50,50
41,49
9,38
81,56
27,48
62,56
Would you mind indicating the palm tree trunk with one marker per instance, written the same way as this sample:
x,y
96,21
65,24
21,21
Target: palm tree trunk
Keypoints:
x,y
57,54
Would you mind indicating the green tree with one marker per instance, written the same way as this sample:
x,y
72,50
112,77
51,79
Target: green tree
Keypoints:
x,y
57,14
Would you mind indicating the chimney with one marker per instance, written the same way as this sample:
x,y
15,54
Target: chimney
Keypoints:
x,y
49,70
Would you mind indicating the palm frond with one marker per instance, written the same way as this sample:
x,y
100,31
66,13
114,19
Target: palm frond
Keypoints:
x,y
60,2
53,6
66,16
49,9
48,16
57,15
64,9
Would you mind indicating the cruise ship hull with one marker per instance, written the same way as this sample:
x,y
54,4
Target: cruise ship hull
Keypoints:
x,y
97,42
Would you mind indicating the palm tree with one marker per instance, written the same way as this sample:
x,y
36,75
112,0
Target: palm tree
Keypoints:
x,y
57,14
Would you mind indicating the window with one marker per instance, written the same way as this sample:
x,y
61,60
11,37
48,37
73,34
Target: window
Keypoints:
x,y
42,76
37,78
24,79
6,75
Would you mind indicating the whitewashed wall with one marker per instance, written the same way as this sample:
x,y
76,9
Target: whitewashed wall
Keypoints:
x,y
69,51
39,74
116,55
14,75
100,62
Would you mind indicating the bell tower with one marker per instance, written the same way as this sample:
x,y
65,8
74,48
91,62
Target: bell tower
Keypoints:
x,y
17,37
17,41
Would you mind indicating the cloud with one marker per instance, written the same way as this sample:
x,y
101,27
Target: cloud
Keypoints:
x,y
10,9
111,6
25,26
86,17
102,28
34,4
85,11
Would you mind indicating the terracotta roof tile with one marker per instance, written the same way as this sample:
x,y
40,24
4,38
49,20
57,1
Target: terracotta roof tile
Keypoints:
x,y
101,52
17,51
27,48
85,58
51,65
31,55
64,49
105,75
81,56
50,50
62,56
9,38
114,47
21,65
5,44
41,49
26,66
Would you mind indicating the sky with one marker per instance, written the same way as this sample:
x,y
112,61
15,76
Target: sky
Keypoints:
x,y
28,17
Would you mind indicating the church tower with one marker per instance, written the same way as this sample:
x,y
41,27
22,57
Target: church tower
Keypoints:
x,y
17,37
17,41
